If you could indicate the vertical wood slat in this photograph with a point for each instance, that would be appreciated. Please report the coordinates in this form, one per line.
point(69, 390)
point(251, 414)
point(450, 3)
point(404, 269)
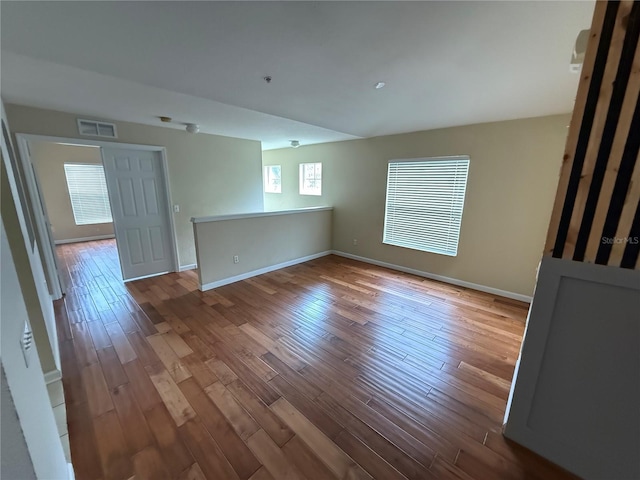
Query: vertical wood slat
point(626, 217)
point(599, 143)
point(612, 92)
point(608, 211)
point(578, 130)
point(598, 194)
point(632, 250)
point(626, 195)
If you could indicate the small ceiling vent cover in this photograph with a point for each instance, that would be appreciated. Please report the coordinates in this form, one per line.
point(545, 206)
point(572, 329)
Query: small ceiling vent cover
point(93, 128)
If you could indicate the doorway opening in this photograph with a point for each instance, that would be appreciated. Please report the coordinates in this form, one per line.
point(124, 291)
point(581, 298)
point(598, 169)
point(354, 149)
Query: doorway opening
point(74, 199)
point(91, 191)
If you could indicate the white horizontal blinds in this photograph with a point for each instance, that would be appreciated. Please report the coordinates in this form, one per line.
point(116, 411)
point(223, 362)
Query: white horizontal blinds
point(88, 192)
point(424, 205)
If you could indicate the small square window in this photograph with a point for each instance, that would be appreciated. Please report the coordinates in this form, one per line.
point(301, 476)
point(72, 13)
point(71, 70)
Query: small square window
point(272, 177)
point(311, 179)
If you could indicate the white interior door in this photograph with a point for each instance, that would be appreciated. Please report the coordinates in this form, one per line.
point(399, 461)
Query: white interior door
point(140, 209)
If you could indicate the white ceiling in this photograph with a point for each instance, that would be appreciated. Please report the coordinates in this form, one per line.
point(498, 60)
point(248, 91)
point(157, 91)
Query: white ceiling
point(444, 63)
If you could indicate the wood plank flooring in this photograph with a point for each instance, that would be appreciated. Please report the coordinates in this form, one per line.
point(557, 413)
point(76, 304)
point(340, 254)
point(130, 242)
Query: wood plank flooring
point(331, 369)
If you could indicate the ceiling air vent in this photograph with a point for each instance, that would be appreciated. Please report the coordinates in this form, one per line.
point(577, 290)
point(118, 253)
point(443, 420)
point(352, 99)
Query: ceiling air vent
point(93, 128)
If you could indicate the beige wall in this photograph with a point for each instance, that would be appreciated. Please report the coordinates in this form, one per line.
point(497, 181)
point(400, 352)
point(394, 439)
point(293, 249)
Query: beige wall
point(49, 159)
point(512, 181)
point(26, 383)
point(208, 174)
point(260, 242)
point(28, 282)
point(20, 305)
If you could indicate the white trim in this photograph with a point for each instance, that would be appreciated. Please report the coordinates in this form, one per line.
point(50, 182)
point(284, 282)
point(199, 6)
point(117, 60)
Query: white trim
point(440, 278)
point(88, 142)
point(145, 276)
point(260, 271)
point(218, 218)
point(420, 273)
point(84, 239)
point(52, 376)
point(42, 227)
point(172, 223)
point(191, 266)
point(44, 291)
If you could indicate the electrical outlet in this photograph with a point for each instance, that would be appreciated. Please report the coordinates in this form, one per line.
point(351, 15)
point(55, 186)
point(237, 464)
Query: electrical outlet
point(236, 259)
point(176, 208)
point(355, 241)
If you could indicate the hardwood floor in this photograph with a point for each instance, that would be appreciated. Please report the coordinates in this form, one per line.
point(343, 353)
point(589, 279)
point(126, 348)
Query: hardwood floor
point(327, 369)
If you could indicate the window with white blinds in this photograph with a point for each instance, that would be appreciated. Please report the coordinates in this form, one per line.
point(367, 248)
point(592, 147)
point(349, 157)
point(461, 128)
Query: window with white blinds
point(88, 192)
point(425, 198)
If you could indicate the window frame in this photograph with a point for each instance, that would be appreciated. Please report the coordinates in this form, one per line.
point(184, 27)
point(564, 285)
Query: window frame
point(397, 229)
point(266, 177)
point(75, 195)
point(317, 177)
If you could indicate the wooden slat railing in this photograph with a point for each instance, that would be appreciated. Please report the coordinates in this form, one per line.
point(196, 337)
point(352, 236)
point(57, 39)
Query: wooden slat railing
point(596, 218)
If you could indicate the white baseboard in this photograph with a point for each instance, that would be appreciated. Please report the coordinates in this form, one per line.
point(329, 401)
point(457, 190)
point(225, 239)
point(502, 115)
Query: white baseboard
point(260, 271)
point(420, 273)
point(142, 277)
point(440, 278)
point(191, 266)
point(83, 239)
point(52, 376)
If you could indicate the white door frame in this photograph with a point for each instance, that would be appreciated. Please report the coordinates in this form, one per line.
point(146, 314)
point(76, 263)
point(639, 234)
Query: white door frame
point(32, 248)
point(23, 140)
point(43, 229)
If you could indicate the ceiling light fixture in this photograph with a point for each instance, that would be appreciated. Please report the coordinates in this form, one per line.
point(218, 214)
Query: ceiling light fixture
point(379, 85)
point(190, 127)
point(295, 143)
point(193, 127)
